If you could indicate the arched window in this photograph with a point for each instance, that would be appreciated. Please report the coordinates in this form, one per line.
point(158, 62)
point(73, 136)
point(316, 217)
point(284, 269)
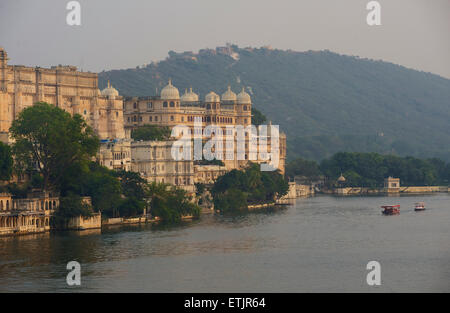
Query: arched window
point(245, 108)
point(165, 104)
point(171, 118)
point(135, 105)
point(208, 106)
point(172, 104)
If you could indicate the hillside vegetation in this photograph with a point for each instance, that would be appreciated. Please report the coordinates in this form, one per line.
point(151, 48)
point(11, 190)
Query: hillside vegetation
point(325, 102)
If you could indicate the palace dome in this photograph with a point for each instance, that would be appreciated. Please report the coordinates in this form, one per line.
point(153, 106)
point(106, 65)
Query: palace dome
point(110, 91)
point(341, 179)
point(212, 97)
point(229, 95)
point(170, 92)
point(243, 97)
point(189, 96)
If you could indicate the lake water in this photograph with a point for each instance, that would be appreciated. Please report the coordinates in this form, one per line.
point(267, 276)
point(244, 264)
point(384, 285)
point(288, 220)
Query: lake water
point(320, 244)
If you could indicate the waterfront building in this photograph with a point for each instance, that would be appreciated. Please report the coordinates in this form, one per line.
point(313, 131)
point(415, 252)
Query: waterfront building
point(207, 174)
point(29, 215)
point(66, 88)
point(69, 89)
point(392, 185)
point(154, 161)
point(170, 109)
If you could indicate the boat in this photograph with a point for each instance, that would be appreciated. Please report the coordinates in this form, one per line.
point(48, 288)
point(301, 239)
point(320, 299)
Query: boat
point(419, 206)
point(391, 209)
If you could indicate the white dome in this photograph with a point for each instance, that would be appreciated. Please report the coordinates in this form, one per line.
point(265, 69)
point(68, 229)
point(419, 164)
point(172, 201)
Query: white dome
point(110, 91)
point(229, 95)
point(189, 96)
point(170, 92)
point(193, 94)
point(212, 97)
point(243, 97)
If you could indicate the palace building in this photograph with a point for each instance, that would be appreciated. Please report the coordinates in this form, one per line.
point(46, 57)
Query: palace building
point(63, 86)
point(170, 109)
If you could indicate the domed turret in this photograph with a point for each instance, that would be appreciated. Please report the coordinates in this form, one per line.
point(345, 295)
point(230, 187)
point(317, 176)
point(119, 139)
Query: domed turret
point(193, 94)
point(170, 92)
point(110, 91)
point(341, 179)
point(189, 96)
point(243, 97)
point(212, 97)
point(229, 95)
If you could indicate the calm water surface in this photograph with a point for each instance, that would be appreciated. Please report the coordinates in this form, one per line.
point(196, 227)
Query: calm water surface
point(319, 244)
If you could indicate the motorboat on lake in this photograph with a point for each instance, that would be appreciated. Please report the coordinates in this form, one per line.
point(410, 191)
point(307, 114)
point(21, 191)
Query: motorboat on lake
point(419, 206)
point(391, 209)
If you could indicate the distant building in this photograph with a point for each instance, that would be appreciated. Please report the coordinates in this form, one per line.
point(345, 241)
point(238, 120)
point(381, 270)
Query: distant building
point(392, 185)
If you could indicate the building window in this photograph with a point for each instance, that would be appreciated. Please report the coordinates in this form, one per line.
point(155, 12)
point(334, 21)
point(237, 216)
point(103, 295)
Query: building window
point(182, 118)
point(165, 104)
point(150, 118)
point(149, 105)
point(135, 105)
point(172, 104)
point(245, 108)
point(156, 118)
point(171, 118)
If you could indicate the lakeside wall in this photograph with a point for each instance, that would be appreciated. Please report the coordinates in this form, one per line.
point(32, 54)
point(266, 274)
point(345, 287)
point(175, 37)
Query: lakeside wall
point(405, 190)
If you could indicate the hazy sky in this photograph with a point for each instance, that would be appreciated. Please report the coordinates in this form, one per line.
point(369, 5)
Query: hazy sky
point(126, 33)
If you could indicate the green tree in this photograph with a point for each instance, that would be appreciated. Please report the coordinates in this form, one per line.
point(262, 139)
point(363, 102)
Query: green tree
point(170, 203)
point(6, 162)
point(304, 168)
point(49, 140)
point(151, 132)
point(257, 117)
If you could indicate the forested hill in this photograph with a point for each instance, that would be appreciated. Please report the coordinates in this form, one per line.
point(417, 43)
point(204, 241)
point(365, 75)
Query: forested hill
point(324, 101)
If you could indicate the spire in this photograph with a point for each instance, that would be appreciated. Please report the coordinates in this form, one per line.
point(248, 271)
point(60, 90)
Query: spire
point(109, 85)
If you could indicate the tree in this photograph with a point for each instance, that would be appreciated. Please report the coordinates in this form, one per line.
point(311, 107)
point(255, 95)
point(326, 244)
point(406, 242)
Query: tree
point(238, 188)
point(49, 140)
point(151, 132)
point(6, 162)
point(170, 203)
point(257, 117)
point(302, 167)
